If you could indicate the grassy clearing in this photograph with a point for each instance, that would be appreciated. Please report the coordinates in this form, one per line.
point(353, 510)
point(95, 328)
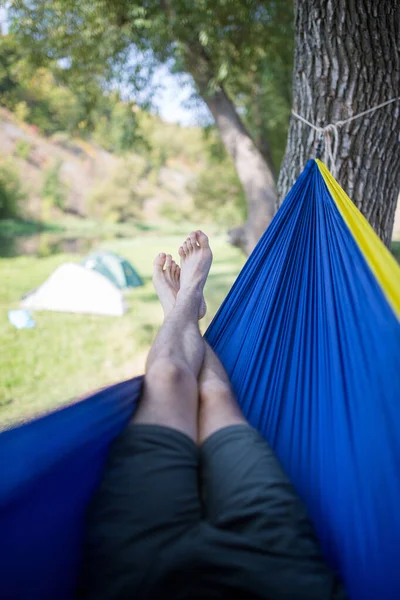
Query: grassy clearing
point(68, 355)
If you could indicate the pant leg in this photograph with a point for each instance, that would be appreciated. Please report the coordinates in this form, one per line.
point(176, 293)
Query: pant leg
point(147, 501)
point(248, 496)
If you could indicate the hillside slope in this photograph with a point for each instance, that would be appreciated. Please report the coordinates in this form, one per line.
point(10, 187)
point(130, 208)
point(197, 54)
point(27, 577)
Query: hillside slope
point(92, 176)
point(86, 170)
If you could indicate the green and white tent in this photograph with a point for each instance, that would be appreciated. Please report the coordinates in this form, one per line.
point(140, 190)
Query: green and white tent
point(116, 268)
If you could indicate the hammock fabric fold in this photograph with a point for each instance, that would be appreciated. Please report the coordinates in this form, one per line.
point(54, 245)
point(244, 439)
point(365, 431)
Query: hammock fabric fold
point(310, 337)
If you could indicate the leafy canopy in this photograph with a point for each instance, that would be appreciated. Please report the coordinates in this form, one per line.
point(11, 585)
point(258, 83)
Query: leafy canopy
point(244, 45)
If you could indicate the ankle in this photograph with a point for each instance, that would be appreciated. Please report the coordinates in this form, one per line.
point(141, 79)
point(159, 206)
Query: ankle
point(190, 295)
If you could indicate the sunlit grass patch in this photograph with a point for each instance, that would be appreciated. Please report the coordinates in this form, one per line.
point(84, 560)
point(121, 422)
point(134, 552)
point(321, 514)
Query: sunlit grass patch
point(68, 355)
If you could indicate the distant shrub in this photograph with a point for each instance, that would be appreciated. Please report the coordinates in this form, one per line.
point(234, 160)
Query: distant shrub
point(168, 211)
point(101, 133)
point(168, 141)
point(117, 130)
point(23, 149)
point(11, 192)
point(118, 198)
point(21, 111)
point(54, 190)
point(218, 195)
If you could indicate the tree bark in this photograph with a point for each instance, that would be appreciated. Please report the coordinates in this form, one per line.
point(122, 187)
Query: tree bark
point(255, 173)
point(347, 60)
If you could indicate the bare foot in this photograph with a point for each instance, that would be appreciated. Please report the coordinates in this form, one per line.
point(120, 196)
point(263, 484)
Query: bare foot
point(166, 280)
point(166, 276)
point(196, 259)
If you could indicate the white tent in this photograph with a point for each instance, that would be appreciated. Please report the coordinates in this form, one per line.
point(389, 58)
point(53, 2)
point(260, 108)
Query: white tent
point(72, 288)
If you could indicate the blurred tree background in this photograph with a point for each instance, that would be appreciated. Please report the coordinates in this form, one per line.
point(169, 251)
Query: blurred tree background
point(73, 67)
point(55, 102)
point(69, 66)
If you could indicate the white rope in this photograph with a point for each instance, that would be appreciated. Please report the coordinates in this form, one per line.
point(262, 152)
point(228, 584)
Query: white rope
point(330, 132)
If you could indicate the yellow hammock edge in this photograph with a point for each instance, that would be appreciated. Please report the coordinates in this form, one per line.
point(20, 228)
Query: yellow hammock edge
point(381, 262)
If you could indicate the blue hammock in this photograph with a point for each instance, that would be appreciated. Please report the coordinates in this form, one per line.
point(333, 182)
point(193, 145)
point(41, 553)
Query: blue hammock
point(310, 338)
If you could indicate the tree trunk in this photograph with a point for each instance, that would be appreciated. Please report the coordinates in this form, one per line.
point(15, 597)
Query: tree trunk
point(255, 173)
point(347, 60)
point(254, 168)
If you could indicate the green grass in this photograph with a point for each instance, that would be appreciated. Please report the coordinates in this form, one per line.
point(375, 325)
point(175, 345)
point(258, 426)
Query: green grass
point(12, 227)
point(70, 225)
point(395, 248)
point(69, 355)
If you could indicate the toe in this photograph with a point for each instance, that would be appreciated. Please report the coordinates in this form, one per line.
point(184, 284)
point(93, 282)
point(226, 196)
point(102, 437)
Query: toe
point(202, 239)
point(181, 252)
point(159, 262)
point(189, 244)
point(193, 239)
point(168, 261)
point(185, 248)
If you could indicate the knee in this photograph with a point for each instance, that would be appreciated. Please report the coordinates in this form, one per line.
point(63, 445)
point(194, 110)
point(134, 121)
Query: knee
point(169, 374)
point(216, 391)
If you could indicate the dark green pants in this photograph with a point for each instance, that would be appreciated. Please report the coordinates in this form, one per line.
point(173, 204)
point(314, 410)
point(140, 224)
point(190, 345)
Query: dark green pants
point(174, 521)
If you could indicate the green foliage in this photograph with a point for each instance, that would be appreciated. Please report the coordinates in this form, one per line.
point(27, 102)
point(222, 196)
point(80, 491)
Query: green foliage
point(51, 107)
point(37, 97)
point(217, 191)
point(54, 190)
point(243, 45)
point(20, 109)
point(45, 97)
point(395, 249)
point(168, 141)
point(11, 191)
point(9, 58)
point(117, 128)
point(218, 195)
point(123, 127)
point(118, 198)
point(168, 211)
point(23, 149)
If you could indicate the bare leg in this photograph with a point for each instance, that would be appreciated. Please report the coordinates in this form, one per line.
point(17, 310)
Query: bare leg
point(218, 406)
point(170, 396)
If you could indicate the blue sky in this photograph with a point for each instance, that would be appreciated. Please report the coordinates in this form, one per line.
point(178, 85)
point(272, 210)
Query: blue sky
point(3, 20)
point(175, 99)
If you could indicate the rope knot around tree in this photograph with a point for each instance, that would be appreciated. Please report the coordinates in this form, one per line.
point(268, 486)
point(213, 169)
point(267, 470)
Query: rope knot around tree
point(328, 143)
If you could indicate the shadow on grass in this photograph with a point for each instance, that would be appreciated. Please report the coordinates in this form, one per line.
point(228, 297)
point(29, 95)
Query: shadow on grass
point(149, 297)
point(228, 277)
point(145, 227)
point(11, 227)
